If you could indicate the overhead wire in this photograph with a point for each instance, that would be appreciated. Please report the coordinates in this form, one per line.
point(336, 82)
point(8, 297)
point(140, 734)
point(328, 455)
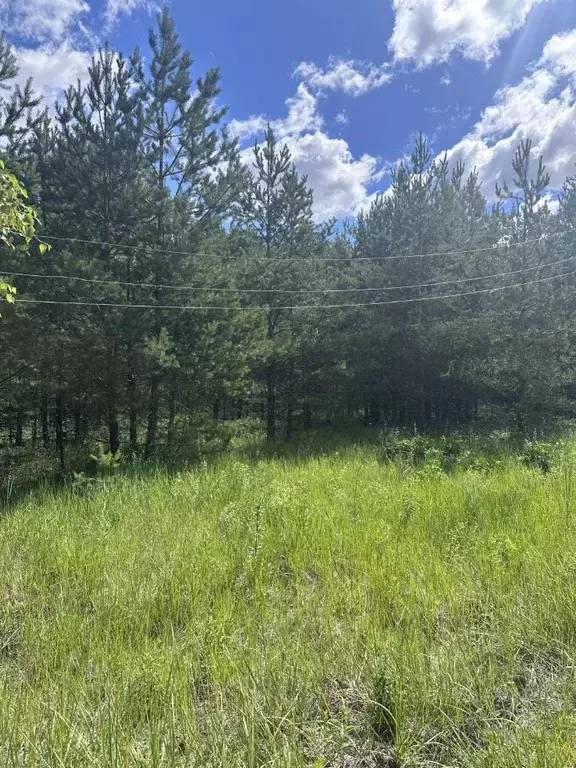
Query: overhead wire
point(217, 307)
point(212, 289)
point(342, 259)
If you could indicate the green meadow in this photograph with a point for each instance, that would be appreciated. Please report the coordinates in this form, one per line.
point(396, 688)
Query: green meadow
point(354, 608)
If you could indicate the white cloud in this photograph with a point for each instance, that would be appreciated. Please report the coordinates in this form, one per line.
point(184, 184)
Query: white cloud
point(446, 80)
point(54, 28)
point(541, 107)
point(52, 69)
point(551, 201)
point(347, 75)
point(560, 53)
point(302, 116)
point(340, 181)
point(342, 118)
point(41, 20)
point(114, 8)
point(428, 31)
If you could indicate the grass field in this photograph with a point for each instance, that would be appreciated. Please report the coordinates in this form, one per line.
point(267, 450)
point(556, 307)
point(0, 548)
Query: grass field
point(315, 610)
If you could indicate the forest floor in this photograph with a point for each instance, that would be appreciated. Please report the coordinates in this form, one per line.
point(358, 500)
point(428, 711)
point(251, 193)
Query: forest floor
point(353, 608)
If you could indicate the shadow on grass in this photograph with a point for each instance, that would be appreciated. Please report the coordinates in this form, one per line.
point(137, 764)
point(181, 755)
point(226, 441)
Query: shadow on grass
point(34, 473)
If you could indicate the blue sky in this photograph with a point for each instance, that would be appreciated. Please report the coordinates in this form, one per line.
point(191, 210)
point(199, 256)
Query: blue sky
point(347, 84)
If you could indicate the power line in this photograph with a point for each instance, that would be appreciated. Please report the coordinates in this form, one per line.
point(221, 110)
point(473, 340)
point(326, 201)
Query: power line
point(122, 283)
point(201, 254)
point(212, 307)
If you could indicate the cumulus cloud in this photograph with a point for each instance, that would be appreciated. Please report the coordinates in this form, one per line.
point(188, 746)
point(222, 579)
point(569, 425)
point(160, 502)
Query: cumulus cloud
point(41, 20)
point(428, 31)
point(52, 68)
point(339, 180)
point(560, 52)
point(58, 45)
point(302, 116)
point(347, 75)
point(541, 107)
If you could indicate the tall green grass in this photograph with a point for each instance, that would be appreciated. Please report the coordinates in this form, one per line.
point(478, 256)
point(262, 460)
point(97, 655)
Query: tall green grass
point(319, 610)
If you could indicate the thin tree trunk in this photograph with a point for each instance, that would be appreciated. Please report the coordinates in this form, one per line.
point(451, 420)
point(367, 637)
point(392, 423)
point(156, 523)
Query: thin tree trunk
point(20, 417)
point(270, 391)
point(132, 411)
point(113, 428)
point(152, 428)
point(307, 414)
point(44, 422)
point(290, 404)
point(35, 426)
point(112, 405)
point(154, 402)
point(172, 409)
point(112, 412)
point(60, 430)
point(270, 404)
point(113, 424)
point(78, 431)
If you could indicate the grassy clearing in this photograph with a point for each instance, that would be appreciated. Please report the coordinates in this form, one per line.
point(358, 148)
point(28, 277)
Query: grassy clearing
point(330, 610)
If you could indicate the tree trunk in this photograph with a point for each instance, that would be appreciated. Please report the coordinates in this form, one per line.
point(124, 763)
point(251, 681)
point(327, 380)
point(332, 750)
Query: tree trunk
point(112, 397)
point(270, 404)
point(113, 424)
point(290, 404)
point(78, 432)
point(307, 414)
point(132, 411)
point(20, 417)
point(172, 410)
point(60, 430)
point(113, 429)
point(44, 422)
point(35, 426)
point(154, 406)
point(112, 412)
point(270, 390)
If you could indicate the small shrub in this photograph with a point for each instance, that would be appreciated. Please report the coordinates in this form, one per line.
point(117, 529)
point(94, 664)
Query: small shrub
point(539, 455)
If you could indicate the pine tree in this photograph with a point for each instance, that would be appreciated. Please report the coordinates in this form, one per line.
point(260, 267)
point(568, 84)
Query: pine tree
point(186, 149)
point(276, 206)
point(97, 136)
point(528, 376)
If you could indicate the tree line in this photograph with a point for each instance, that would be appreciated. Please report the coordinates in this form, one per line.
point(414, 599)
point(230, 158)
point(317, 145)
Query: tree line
point(181, 281)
